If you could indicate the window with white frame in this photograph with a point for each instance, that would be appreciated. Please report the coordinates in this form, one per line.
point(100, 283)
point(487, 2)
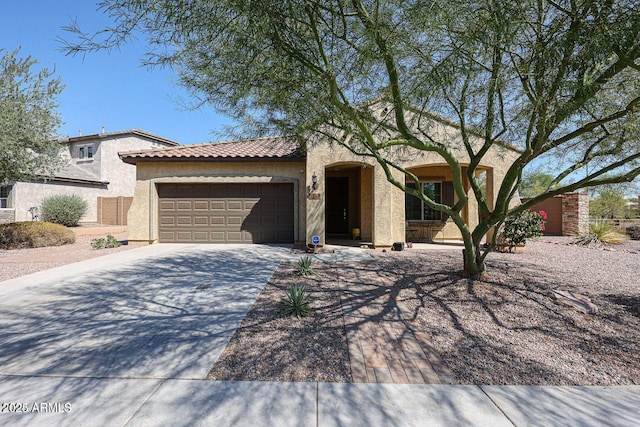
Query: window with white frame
point(4, 196)
point(85, 152)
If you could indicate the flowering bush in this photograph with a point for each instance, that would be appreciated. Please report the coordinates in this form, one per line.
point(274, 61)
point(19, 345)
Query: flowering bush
point(543, 214)
point(518, 228)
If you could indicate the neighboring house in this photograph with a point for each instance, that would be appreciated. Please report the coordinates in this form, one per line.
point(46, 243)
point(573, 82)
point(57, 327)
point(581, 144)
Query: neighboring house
point(94, 170)
point(267, 190)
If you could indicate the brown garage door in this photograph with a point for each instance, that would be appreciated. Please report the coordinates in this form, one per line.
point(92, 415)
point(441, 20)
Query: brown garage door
point(226, 213)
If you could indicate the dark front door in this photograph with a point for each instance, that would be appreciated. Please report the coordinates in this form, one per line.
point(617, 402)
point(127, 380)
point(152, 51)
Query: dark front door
point(337, 205)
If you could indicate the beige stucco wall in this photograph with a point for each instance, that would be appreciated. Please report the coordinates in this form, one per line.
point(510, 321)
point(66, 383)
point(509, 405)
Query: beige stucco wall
point(28, 194)
point(388, 204)
point(143, 214)
point(105, 166)
point(319, 157)
point(381, 205)
point(122, 176)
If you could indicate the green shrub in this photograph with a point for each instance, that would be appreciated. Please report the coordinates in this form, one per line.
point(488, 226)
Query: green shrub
point(64, 209)
point(600, 232)
point(105, 242)
point(304, 266)
point(29, 234)
point(522, 226)
point(296, 302)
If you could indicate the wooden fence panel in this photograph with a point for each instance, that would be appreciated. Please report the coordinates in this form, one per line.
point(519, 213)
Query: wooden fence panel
point(113, 210)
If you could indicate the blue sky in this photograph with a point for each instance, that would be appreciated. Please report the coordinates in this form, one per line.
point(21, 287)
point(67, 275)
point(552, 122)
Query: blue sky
point(105, 89)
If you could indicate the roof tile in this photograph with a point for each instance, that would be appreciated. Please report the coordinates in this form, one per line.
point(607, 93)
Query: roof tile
point(259, 148)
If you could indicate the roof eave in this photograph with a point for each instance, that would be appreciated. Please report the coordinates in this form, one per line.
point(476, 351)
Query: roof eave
point(134, 160)
point(138, 132)
point(76, 181)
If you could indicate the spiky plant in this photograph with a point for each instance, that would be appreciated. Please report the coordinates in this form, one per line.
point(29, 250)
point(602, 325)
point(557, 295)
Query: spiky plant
point(296, 302)
point(600, 232)
point(304, 266)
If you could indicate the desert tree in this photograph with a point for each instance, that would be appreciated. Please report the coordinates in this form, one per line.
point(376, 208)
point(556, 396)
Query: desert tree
point(535, 182)
point(609, 201)
point(29, 119)
point(557, 79)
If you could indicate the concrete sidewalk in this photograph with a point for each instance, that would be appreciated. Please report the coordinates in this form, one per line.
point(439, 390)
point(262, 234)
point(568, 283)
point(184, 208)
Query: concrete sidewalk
point(54, 401)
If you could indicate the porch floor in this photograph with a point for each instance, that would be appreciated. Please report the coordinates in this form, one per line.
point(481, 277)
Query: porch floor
point(350, 243)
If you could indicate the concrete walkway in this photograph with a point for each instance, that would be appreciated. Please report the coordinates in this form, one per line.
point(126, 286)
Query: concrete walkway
point(384, 345)
point(126, 340)
point(57, 401)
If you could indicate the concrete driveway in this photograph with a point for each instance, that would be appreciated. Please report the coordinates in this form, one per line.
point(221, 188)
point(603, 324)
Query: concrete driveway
point(162, 311)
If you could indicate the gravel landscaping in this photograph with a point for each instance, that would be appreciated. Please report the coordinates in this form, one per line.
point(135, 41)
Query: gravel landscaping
point(502, 330)
point(20, 262)
point(507, 330)
point(271, 347)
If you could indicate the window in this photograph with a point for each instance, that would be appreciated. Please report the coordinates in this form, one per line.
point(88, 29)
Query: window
point(85, 152)
point(415, 209)
point(412, 205)
point(4, 196)
point(432, 190)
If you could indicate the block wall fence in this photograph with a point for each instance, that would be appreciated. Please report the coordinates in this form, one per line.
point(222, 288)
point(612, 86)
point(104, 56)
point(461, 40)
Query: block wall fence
point(7, 216)
point(568, 214)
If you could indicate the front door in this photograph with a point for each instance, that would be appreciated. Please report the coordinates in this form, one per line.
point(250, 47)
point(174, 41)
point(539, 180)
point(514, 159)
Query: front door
point(337, 205)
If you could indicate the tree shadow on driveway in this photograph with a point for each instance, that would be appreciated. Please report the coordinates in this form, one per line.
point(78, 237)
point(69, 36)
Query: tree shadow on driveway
point(161, 317)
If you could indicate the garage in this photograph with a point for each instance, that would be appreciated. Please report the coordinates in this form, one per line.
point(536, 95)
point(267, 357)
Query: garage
point(226, 213)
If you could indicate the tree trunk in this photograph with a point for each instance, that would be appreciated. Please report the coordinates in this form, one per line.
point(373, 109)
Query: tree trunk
point(473, 264)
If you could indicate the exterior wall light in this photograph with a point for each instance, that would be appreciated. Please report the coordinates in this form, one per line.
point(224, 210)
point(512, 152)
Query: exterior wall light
point(314, 181)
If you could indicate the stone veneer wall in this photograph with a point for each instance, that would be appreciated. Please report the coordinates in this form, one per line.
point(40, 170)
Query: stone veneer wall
point(7, 216)
point(575, 213)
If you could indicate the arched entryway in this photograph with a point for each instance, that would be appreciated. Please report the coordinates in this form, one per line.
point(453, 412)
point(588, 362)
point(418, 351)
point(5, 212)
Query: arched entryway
point(348, 203)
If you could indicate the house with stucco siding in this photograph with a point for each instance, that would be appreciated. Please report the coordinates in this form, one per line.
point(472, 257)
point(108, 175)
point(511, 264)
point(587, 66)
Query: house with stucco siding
point(93, 170)
point(269, 190)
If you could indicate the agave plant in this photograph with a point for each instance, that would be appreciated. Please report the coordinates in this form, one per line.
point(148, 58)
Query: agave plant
point(600, 232)
point(296, 302)
point(304, 266)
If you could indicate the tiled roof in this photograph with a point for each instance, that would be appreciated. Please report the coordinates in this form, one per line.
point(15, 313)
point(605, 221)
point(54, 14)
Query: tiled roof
point(273, 148)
